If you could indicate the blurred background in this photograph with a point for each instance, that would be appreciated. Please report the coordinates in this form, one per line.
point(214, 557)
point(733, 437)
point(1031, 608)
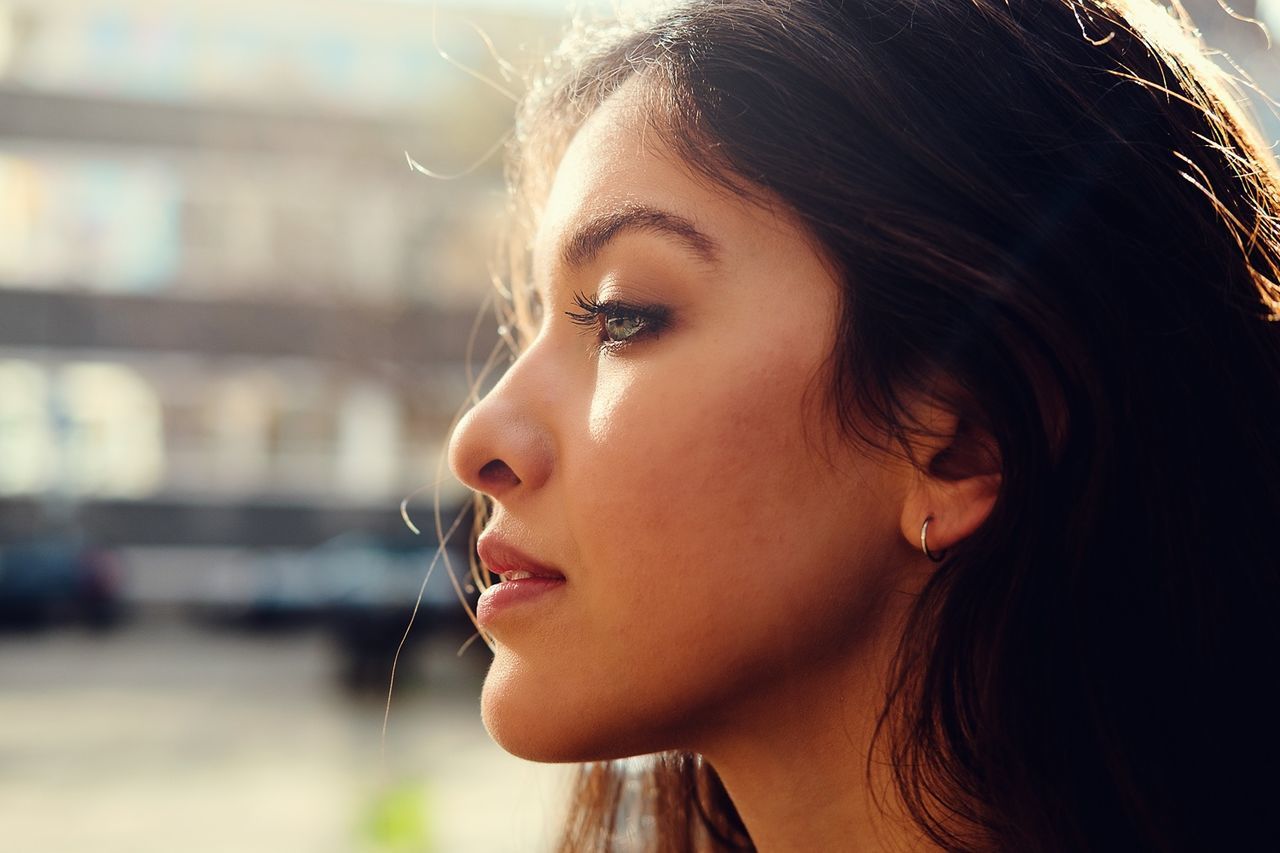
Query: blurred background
point(233, 333)
point(233, 325)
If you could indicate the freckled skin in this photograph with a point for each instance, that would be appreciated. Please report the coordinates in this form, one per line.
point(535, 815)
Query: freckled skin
point(722, 542)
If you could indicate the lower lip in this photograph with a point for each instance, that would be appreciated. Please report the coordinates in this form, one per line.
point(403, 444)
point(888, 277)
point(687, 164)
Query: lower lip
point(503, 596)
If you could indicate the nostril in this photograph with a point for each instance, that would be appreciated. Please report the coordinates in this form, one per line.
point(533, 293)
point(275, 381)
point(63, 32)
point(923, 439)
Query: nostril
point(497, 474)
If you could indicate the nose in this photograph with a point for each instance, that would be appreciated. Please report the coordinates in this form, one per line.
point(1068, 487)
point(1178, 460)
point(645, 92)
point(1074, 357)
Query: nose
point(503, 446)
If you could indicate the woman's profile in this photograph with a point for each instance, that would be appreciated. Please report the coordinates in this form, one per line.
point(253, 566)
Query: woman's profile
point(891, 450)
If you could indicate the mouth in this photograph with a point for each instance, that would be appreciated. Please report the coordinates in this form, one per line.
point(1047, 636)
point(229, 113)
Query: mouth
point(526, 585)
point(518, 575)
point(510, 564)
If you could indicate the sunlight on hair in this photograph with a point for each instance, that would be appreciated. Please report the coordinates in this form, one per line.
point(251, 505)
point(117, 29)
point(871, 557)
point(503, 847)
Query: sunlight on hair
point(505, 68)
point(1261, 25)
point(465, 173)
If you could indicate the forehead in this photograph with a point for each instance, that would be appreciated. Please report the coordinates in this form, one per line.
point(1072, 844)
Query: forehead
point(618, 161)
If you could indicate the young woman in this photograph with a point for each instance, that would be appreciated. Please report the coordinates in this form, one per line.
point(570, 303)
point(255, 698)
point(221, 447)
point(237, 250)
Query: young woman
point(892, 449)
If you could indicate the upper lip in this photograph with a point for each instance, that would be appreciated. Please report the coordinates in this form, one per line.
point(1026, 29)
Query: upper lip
point(502, 557)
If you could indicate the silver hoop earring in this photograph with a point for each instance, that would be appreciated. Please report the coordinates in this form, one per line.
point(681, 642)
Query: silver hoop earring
point(924, 544)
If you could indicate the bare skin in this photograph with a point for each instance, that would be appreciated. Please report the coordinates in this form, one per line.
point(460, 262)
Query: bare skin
point(736, 570)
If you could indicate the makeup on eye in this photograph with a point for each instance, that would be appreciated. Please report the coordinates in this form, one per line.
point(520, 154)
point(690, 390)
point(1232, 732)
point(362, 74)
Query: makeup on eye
point(618, 322)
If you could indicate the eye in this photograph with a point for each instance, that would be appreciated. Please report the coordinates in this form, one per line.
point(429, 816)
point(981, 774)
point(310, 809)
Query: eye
point(616, 322)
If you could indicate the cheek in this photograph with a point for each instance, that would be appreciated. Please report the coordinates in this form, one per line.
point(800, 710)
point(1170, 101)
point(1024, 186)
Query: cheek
point(701, 509)
point(718, 444)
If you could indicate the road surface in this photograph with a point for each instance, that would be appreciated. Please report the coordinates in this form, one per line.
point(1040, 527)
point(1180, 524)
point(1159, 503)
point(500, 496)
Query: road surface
point(165, 736)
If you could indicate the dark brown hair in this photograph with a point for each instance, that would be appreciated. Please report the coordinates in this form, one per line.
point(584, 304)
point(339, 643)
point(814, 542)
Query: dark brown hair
point(1053, 217)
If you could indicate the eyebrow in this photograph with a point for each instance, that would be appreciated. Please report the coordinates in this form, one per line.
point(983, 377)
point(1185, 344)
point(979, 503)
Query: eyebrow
point(590, 238)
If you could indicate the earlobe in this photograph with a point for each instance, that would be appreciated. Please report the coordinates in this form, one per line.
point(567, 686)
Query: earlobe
point(955, 490)
point(940, 513)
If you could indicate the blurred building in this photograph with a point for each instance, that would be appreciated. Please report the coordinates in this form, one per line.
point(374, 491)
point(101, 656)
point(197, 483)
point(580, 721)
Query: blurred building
point(230, 313)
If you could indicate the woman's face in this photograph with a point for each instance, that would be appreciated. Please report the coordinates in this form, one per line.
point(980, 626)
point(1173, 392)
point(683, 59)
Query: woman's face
point(676, 461)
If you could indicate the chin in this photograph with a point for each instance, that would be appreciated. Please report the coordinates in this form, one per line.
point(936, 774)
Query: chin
point(538, 722)
point(532, 729)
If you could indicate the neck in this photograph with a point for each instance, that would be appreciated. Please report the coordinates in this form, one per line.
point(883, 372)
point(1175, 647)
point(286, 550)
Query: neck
point(795, 761)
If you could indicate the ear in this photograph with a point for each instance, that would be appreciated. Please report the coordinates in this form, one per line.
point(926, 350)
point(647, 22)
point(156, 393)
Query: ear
point(959, 483)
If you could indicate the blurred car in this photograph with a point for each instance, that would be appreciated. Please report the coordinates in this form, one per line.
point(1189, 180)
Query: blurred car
point(375, 587)
point(59, 580)
point(360, 588)
point(351, 571)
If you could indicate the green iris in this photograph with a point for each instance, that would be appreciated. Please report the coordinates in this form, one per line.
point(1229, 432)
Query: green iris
point(620, 328)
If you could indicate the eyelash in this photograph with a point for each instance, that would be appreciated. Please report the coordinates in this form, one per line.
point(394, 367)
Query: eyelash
point(595, 315)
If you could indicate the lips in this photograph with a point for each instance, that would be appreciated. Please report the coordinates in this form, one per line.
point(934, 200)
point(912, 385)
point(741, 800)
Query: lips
point(510, 563)
point(527, 587)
